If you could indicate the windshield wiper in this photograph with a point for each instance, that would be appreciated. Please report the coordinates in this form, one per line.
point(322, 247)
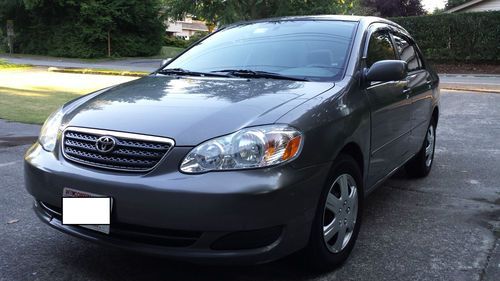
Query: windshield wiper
point(246, 73)
point(185, 72)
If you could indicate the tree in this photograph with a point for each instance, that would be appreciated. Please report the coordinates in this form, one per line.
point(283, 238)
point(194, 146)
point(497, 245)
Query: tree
point(358, 8)
point(216, 12)
point(85, 28)
point(438, 11)
point(453, 3)
point(395, 8)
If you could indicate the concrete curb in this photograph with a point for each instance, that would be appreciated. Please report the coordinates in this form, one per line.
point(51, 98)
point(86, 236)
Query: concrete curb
point(97, 71)
point(488, 88)
point(468, 75)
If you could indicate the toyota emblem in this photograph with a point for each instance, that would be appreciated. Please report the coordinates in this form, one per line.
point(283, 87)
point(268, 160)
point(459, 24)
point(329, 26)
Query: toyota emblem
point(105, 144)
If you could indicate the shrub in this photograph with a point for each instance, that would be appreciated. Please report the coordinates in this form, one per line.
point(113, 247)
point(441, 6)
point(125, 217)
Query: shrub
point(173, 41)
point(170, 52)
point(80, 28)
point(3, 42)
point(197, 36)
point(463, 37)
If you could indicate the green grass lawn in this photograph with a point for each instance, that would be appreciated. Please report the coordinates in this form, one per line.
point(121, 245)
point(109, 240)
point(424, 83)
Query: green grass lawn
point(6, 65)
point(30, 95)
point(31, 106)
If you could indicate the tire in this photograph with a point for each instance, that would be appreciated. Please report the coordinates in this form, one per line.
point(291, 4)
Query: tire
point(325, 250)
point(421, 165)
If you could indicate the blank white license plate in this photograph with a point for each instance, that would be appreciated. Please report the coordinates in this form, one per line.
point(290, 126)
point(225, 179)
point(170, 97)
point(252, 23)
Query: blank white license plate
point(88, 210)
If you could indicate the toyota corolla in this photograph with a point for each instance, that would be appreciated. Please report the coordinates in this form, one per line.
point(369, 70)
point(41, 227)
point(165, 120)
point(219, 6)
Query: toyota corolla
point(258, 141)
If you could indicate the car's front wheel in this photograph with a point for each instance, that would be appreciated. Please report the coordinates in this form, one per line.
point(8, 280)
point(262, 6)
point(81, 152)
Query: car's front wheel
point(338, 216)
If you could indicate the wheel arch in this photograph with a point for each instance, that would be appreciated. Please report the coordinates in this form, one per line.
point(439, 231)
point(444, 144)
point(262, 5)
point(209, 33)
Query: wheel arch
point(435, 115)
point(354, 150)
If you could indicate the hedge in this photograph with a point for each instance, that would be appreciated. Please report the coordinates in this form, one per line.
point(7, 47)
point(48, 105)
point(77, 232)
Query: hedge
point(3, 42)
point(463, 37)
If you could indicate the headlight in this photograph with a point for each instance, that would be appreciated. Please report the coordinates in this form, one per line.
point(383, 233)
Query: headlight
point(50, 130)
point(254, 147)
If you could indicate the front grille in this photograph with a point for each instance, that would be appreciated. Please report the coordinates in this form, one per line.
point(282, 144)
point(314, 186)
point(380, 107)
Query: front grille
point(131, 152)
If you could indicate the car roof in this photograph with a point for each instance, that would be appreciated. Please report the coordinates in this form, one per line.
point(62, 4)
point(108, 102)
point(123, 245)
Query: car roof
point(365, 20)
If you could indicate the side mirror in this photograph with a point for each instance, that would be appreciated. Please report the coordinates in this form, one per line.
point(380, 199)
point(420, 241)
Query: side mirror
point(387, 70)
point(163, 62)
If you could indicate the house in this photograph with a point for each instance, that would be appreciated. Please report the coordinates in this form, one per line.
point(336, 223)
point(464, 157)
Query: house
point(185, 28)
point(476, 6)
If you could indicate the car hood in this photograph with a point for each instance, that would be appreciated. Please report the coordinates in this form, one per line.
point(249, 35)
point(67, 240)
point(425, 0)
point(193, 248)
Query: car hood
point(191, 110)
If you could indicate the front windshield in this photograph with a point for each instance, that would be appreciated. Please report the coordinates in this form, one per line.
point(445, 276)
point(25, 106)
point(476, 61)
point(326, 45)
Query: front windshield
point(312, 50)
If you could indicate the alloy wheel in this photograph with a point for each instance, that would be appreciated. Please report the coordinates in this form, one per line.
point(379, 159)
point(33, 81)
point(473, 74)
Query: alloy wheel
point(340, 214)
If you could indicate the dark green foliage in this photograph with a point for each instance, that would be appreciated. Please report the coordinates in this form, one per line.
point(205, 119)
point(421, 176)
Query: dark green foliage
point(464, 37)
point(178, 42)
point(3, 42)
point(224, 12)
point(453, 3)
point(196, 36)
point(395, 8)
point(73, 28)
point(174, 41)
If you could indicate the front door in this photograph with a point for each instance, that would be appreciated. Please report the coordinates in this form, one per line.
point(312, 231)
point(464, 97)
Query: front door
point(390, 113)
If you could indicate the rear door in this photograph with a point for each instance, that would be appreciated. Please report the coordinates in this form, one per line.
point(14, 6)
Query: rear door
point(390, 110)
point(420, 89)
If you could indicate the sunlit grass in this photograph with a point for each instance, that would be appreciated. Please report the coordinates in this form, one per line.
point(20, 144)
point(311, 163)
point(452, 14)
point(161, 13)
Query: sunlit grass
point(30, 95)
point(6, 65)
point(31, 106)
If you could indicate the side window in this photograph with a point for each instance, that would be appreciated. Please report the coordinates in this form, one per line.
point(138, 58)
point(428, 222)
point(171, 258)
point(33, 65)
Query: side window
point(380, 48)
point(407, 52)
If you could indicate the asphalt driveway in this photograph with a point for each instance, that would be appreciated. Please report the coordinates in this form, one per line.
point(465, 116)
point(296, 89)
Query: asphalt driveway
point(444, 227)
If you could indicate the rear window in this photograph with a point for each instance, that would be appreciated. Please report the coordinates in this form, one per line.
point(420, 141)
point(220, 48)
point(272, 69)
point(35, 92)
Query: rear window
point(407, 53)
point(314, 50)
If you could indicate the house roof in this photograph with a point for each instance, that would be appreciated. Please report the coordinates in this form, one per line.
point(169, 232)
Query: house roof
point(199, 26)
point(464, 5)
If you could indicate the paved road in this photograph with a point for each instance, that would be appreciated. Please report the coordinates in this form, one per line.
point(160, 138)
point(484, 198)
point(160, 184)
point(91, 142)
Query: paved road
point(444, 227)
point(469, 82)
point(448, 81)
point(147, 65)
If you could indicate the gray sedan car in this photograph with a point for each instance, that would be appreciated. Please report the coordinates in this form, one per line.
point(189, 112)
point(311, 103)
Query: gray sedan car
point(256, 142)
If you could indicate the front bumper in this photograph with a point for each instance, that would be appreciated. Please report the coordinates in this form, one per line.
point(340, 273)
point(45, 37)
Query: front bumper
point(187, 217)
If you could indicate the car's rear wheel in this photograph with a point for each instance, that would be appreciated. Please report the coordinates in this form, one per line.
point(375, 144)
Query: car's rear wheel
point(420, 166)
point(338, 216)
